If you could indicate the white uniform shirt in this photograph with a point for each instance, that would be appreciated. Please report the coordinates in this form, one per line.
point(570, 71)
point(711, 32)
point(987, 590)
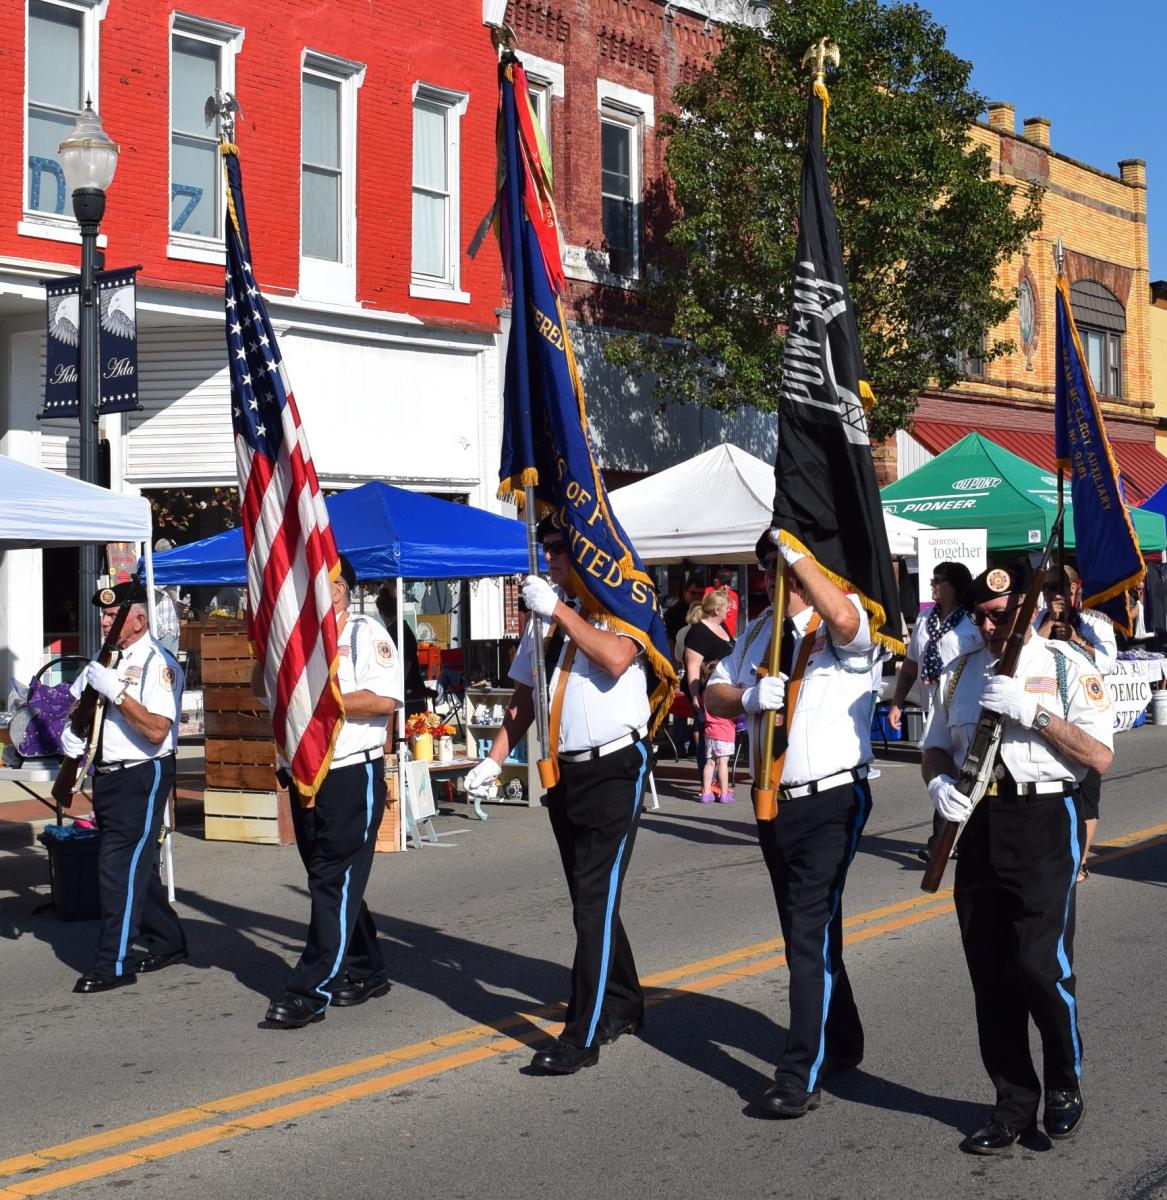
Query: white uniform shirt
point(1027, 755)
point(369, 662)
point(151, 675)
point(598, 707)
point(1095, 628)
point(831, 728)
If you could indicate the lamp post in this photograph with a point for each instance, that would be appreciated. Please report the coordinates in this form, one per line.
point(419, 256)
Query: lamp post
point(89, 158)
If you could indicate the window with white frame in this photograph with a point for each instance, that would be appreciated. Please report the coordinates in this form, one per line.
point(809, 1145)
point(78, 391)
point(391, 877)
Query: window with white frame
point(437, 117)
point(202, 62)
point(328, 138)
point(61, 72)
point(544, 81)
point(620, 188)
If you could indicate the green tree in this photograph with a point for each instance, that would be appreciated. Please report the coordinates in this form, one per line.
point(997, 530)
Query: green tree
point(923, 221)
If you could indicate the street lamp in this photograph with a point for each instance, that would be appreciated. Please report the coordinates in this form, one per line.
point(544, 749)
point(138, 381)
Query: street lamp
point(89, 158)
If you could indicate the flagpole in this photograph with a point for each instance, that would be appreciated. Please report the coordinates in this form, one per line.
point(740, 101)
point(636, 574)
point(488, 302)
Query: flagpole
point(1059, 262)
point(547, 766)
point(765, 792)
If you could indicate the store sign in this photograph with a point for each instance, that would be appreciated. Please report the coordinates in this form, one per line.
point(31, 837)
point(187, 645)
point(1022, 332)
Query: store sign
point(1130, 692)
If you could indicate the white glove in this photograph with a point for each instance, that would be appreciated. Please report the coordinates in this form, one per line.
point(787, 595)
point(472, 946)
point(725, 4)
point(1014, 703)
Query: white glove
point(71, 744)
point(479, 779)
point(788, 552)
point(103, 680)
point(947, 799)
point(1008, 697)
point(539, 596)
point(767, 695)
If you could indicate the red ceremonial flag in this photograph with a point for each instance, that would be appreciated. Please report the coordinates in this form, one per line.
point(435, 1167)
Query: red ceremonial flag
point(291, 554)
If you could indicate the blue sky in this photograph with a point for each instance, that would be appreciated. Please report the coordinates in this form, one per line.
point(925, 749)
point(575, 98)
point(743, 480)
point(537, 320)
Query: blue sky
point(1094, 69)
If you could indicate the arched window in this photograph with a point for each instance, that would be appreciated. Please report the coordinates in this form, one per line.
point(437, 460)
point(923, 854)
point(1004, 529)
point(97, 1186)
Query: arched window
point(1101, 321)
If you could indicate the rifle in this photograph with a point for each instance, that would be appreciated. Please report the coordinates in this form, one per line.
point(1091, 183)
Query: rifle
point(976, 772)
point(84, 712)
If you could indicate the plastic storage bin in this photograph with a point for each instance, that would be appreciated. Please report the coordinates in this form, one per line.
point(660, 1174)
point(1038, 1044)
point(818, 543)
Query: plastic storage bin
point(73, 871)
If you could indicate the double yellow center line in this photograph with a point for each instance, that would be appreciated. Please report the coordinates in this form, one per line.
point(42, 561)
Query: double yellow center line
point(40, 1172)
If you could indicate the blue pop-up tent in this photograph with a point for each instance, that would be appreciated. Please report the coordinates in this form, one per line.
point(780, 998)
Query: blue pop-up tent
point(387, 532)
point(1157, 502)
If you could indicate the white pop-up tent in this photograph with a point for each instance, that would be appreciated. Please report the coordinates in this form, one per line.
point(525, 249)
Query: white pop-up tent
point(41, 508)
point(712, 508)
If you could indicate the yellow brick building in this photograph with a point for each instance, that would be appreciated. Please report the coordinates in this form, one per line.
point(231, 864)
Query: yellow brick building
point(1158, 332)
point(1101, 219)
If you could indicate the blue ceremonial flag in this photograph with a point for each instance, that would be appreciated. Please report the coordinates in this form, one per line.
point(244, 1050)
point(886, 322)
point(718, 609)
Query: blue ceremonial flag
point(1109, 559)
point(546, 443)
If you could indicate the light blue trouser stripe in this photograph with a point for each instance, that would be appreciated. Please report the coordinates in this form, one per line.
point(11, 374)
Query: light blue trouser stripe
point(828, 966)
point(124, 944)
point(1063, 959)
point(613, 885)
point(326, 992)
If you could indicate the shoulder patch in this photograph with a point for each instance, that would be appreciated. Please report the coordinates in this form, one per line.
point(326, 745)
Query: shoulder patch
point(168, 677)
point(385, 653)
point(1095, 691)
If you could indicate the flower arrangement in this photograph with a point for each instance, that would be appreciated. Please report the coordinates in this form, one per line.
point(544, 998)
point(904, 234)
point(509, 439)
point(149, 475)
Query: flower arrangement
point(428, 722)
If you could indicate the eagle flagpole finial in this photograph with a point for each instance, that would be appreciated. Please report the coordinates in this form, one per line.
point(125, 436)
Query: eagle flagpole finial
point(818, 55)
point(222, 105)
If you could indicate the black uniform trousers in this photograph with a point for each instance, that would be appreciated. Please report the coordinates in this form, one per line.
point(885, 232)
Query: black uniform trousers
point(808, 849)
point(1015, 880)
point(337, 838)
point(595, 811)
point(129, 805)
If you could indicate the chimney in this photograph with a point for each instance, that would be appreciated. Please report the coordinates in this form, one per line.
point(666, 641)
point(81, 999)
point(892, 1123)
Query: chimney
point(1002, 117)
point(1037, 131)
point(1133, 171)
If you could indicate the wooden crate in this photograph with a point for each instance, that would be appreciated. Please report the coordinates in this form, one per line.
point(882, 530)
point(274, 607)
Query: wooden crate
point(389, 831)
point(251, 816)
point(240, 753)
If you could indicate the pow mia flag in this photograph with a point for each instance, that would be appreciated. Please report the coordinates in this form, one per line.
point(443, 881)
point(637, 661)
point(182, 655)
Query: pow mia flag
point(118, 339)
point(825, 495)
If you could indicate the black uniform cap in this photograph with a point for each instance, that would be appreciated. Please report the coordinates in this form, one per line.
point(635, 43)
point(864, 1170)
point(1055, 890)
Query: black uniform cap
point(119, 594)
point(993, 583)
point(347, 573)
point(546, 527)
point(766, 545)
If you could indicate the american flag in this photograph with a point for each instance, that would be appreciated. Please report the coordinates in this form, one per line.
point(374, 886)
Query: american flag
point(291, 554)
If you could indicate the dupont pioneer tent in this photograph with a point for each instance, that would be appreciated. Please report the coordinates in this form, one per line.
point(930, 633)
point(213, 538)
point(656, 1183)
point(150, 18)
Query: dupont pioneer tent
point(711, 509)
point(977, 484)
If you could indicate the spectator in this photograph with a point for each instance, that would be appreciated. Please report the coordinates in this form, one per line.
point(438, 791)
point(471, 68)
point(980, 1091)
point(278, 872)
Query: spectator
point(416, 696)
point(941, 634)
point(706, 644)
point(723, 578)
point(676, 615)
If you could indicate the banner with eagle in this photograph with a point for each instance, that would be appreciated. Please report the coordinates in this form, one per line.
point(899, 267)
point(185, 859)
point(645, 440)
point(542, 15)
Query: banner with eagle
point(118, 350)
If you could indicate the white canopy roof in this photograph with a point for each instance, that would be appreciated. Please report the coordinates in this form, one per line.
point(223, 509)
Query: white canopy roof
point(712, 508)
point(42, 508)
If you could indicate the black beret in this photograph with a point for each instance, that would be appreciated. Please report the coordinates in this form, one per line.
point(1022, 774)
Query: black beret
point(347, 573)
point(113, 597)
point(991, 584)
point(547, 526)
point(766, 545)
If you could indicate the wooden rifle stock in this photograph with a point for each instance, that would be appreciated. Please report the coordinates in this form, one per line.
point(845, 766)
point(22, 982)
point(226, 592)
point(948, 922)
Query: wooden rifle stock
point(976, 772)
point(83, 713)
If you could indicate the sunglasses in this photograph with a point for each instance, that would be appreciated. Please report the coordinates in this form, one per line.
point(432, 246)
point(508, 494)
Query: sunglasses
point(550, 548)
point(996, 619)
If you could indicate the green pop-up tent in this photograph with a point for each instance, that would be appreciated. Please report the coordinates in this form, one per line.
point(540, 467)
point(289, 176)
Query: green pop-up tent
point(977, 484)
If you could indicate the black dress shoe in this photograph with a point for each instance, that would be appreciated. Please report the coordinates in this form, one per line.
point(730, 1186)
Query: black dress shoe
point(610, 1028)
point(155, 962)
point(564, 1058)
point(293, 1012)
point(1064, 1109)
point(103, 983)
point(356, 991)
point(788, 1100)
point(996, 1137)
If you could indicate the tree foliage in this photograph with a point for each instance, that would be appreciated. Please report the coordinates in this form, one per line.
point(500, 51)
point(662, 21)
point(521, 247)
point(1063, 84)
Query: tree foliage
point(923, 222)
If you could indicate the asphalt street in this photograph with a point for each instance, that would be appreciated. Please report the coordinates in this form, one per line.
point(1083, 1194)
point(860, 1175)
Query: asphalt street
point(173, 1088)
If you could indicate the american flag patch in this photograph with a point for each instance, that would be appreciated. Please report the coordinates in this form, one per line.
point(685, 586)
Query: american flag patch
point(1044, 685)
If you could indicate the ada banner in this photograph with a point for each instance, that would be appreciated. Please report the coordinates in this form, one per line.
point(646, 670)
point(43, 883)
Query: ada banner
point(118, 334)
